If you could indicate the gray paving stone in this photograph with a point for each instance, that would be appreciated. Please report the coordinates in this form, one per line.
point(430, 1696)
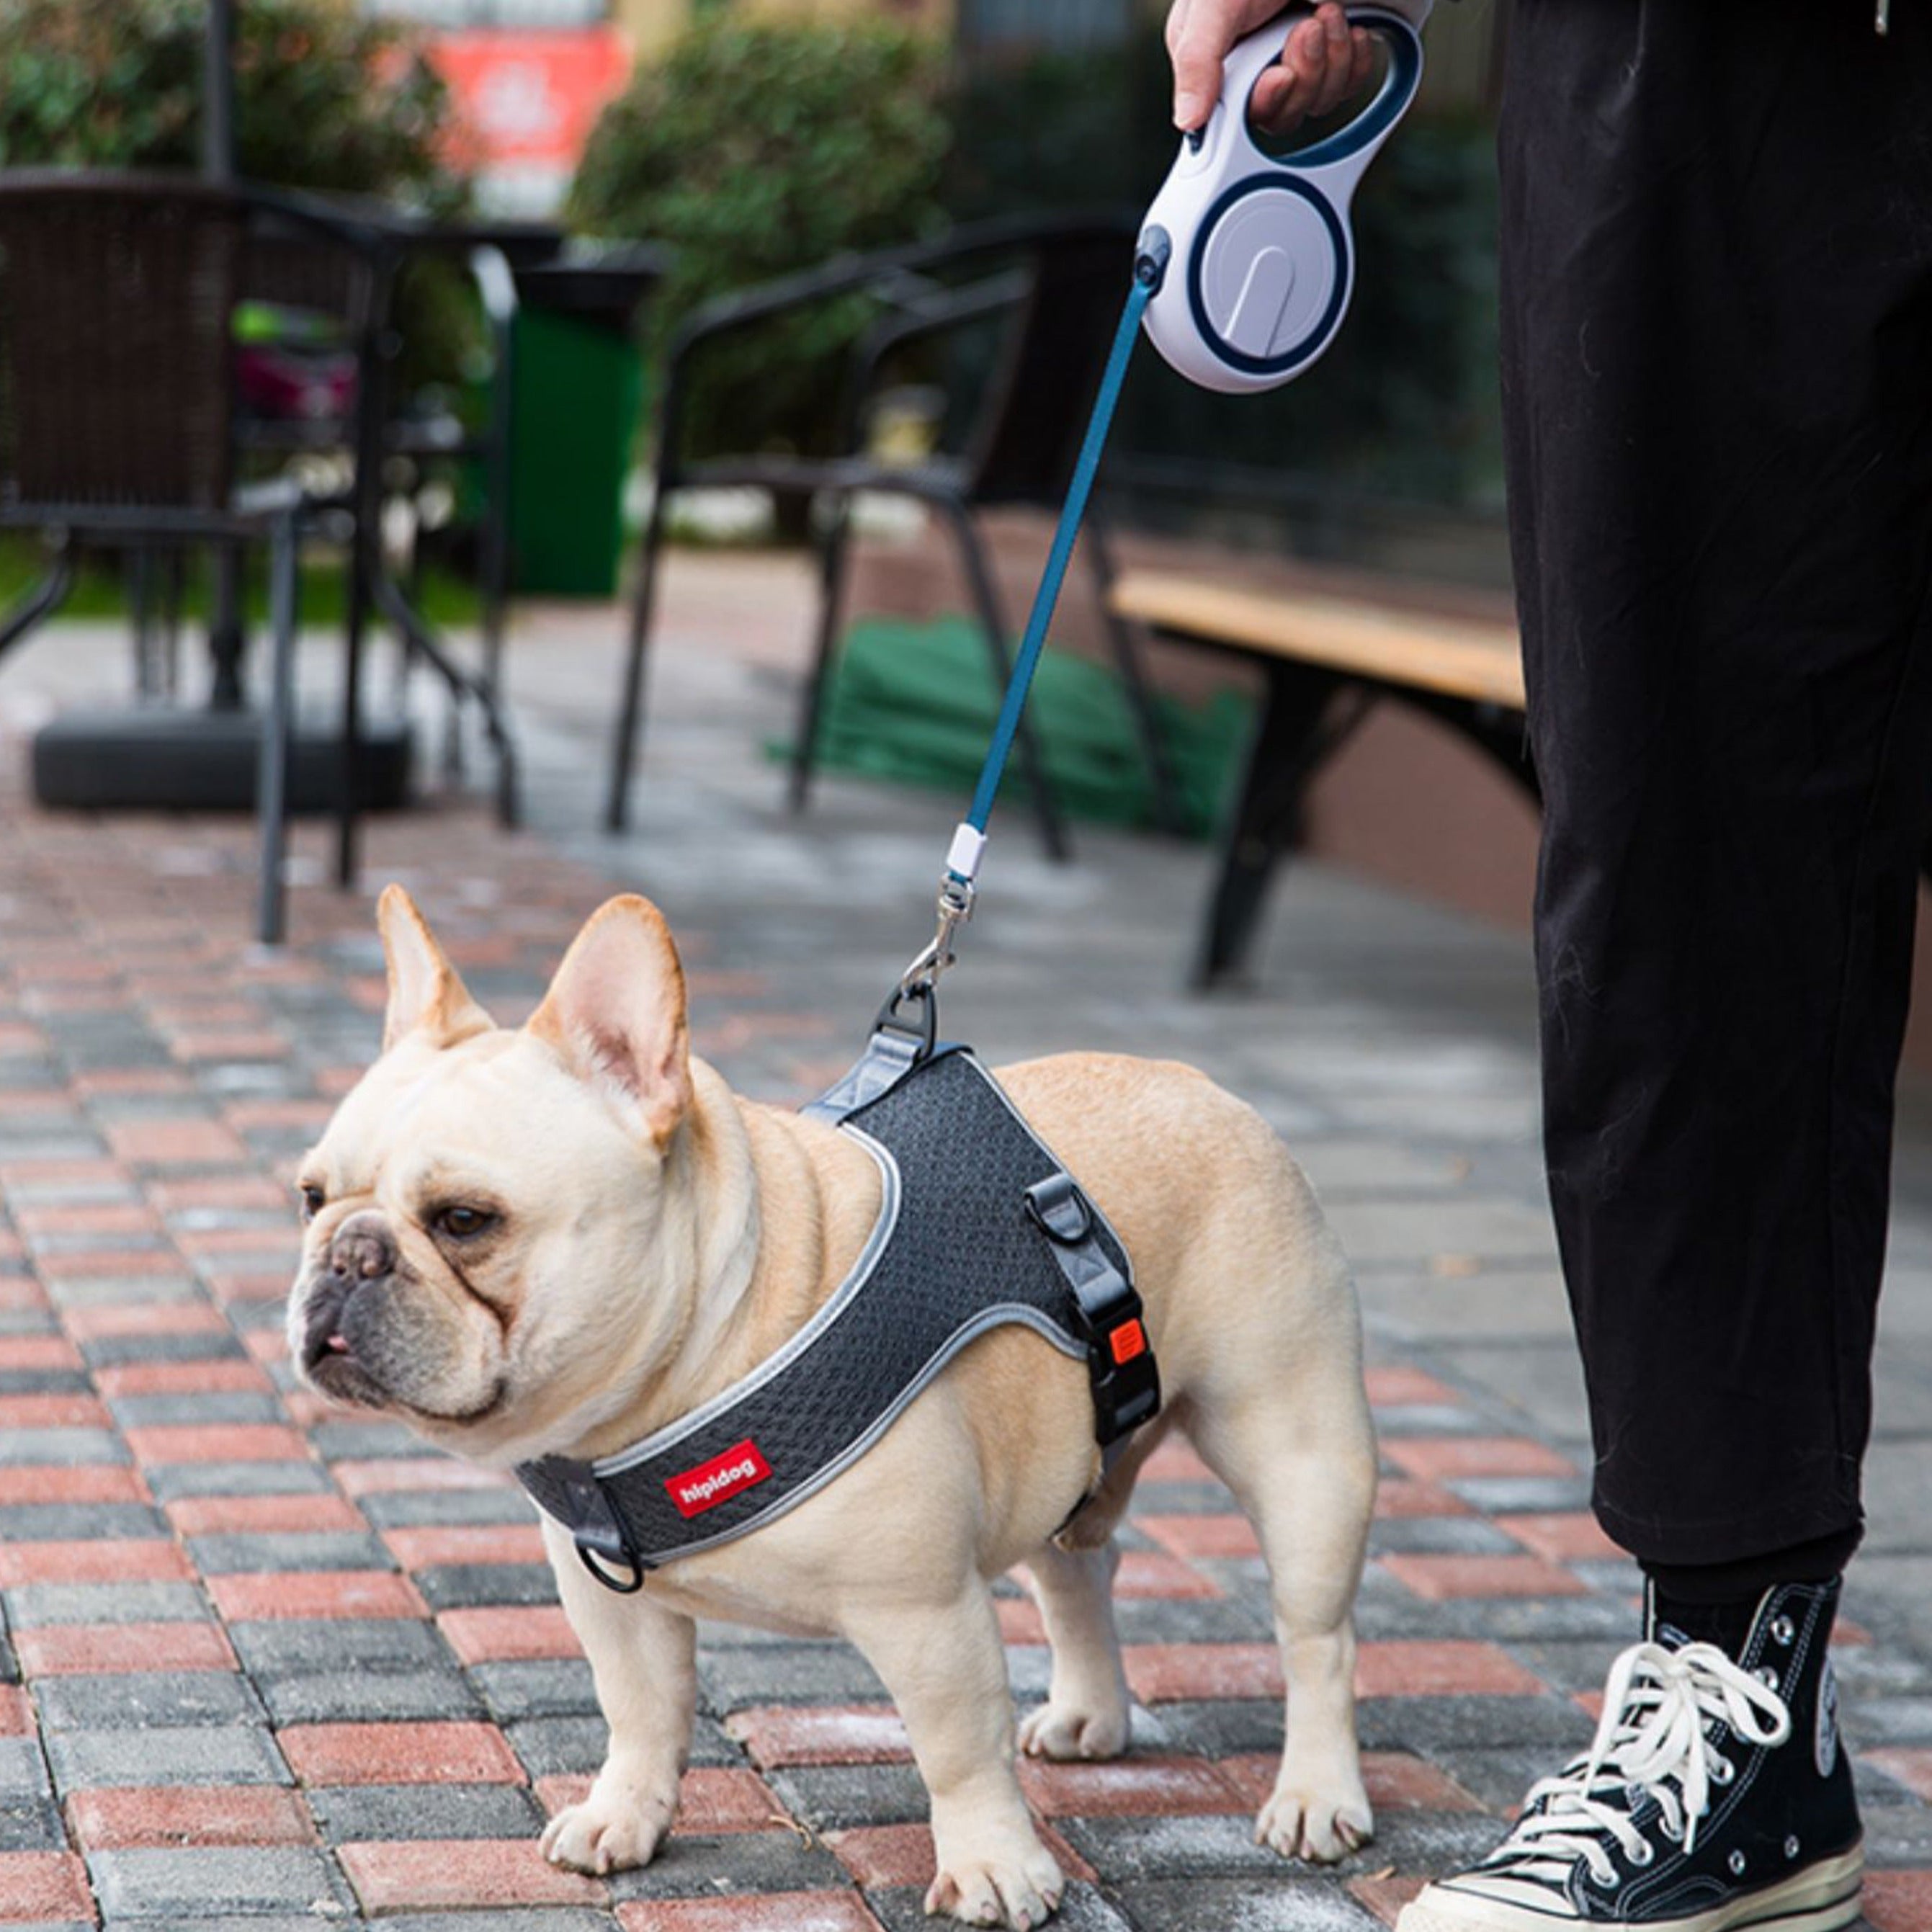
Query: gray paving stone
point(236, 1405)
point(1082, 1909)
point(29, 1824)
point(20, 1447)
point(347, 1813)
point(1244, 1905)
point(739, 1861)
point(548, 1745)
point(411, 1509)
point(102, 1352)
point(143, 1699)
point(1426, 1725)
point(209, 1754)
point(1522, 1496)
point(23, 1771)
point(1213, 1726)
point(172, 1482)
point(342, 1441)
point(63, 1522)
point(463, 1585)
point(41, 1381)
point(359, 1695)
point(541, 1688)
point(1193, 1619)
point(835, 1797)
point(1124, 1850)
point(254, 1552)
point(275, 1648)
point(1433, 1419)
point(1499, 1776)
point(798, 1673)
point(1444, 1535)
point(28, 1604)
point(183, 1882)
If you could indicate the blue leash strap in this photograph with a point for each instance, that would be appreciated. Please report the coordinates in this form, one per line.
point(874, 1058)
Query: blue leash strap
point(969, 841)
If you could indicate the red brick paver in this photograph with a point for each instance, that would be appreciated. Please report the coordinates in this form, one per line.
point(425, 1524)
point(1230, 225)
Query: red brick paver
point(428, 1875)
point(110, 1818)
point(400, 1754)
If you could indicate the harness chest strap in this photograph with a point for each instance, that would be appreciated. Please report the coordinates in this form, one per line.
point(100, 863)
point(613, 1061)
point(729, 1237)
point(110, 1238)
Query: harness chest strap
point(979, 1226)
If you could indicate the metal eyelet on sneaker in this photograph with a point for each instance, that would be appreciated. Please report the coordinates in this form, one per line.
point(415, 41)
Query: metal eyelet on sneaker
point(1722, 1771)
point(1676, 1837)
point(1783, 1629)
point(1766, 1676)
point(1649, 1851)
point(1791, 1846)
point(1736, 1862)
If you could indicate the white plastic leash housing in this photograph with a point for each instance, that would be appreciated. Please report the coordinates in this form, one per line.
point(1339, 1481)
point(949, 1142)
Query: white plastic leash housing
point(1263, 261)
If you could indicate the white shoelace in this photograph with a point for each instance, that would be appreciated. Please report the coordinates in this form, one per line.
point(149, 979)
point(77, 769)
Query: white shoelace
point(1650, 1737)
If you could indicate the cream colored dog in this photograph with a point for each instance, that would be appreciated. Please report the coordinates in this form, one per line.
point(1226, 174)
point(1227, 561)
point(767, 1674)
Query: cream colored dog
point(557, 1240)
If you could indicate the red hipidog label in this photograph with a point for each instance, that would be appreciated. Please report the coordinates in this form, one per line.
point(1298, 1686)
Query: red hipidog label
point(712, 1483)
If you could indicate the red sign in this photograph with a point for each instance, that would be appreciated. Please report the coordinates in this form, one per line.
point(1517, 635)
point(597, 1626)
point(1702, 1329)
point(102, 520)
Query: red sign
point(531, 98)
point(712, 1483)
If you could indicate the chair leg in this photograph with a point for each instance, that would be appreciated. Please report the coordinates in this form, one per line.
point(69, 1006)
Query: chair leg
point(141, 588)
point(992, 621)
point(1127, 659)
point(349, 769)
point(40, 602)
point(227, 636)
point(630, 710)
point(458, 683)
point(832, 558)
point(272, 798)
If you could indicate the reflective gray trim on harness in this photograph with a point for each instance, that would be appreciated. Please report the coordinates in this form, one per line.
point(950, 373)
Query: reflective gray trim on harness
point(979, 1226)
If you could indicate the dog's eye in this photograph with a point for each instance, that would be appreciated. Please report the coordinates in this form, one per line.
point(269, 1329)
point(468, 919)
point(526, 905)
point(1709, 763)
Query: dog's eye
point(313, 1200)
point(462, 1223)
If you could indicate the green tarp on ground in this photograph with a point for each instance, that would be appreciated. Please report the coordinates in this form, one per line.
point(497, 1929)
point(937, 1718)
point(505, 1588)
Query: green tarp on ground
point(915, 702)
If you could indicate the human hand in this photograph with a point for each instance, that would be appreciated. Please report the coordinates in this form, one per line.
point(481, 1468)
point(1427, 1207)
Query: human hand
point(1323, 60)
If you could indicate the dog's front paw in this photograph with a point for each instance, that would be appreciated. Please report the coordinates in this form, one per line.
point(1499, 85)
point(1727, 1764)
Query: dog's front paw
point(1018, 1886)
point(1306, 1818)
point(614, 1828)
point(1073, 1730)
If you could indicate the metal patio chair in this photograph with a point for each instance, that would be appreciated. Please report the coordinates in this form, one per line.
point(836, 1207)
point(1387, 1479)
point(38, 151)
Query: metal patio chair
point(117, 294)
point(1056, 285)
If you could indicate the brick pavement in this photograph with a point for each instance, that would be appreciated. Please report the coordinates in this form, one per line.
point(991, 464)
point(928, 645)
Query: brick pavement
point(268, 1665)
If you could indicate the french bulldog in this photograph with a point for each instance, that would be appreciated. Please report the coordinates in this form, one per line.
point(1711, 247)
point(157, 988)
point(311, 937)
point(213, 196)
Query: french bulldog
point(558, 1238)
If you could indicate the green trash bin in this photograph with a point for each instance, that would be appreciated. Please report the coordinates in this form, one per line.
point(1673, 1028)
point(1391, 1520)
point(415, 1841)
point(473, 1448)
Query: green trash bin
point(577, 395)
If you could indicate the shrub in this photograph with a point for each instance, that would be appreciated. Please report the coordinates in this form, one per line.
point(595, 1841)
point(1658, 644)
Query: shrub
point(757, 148)
point(326, 99)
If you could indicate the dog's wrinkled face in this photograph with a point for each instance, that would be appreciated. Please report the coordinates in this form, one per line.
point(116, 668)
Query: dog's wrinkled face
point(483, 1199)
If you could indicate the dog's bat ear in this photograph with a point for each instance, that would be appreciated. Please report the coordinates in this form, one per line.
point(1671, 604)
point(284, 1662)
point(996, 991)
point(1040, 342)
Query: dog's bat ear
point(615, 1014)
point(424, 991)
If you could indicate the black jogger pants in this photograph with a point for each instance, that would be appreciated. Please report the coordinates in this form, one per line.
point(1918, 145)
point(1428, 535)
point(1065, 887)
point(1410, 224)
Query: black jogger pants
point(1717, 262)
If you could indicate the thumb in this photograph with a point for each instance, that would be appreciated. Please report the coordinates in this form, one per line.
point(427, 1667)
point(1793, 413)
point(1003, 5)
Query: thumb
point(1199, 35)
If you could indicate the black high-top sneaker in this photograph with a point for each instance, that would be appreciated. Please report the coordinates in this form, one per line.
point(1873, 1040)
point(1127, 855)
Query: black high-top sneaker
point(1714, 1795)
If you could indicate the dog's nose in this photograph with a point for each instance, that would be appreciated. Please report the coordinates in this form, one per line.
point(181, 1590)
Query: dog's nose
point(362, 1249)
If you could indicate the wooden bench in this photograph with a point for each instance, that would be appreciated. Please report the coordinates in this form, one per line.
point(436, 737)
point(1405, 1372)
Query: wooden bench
point(1326, 660)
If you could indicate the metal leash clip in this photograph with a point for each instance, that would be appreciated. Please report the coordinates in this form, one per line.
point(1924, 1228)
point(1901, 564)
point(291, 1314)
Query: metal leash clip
point(955, 908)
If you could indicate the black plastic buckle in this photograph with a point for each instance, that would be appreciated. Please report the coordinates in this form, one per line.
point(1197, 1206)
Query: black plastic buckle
point(1126, 1394)
point(923, 1031)
point(597, 1530)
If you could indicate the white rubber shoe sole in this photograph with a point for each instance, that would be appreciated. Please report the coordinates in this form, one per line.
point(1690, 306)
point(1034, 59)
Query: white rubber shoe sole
point(1821, 1898)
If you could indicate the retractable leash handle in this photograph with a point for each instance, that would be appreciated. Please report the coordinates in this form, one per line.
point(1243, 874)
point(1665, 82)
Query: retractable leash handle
point(1264, 260)
point(1241, 277)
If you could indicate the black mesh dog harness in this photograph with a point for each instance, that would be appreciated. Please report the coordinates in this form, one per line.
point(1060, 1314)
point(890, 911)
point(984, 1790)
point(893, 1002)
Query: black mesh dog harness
point(979, 1226)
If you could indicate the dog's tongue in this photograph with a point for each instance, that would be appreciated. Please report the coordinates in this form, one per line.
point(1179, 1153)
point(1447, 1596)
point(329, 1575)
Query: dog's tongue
point(338, 1344)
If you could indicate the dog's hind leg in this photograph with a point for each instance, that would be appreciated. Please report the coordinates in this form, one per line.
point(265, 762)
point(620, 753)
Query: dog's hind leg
point(1299, 1454)
point(1086, 1711)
